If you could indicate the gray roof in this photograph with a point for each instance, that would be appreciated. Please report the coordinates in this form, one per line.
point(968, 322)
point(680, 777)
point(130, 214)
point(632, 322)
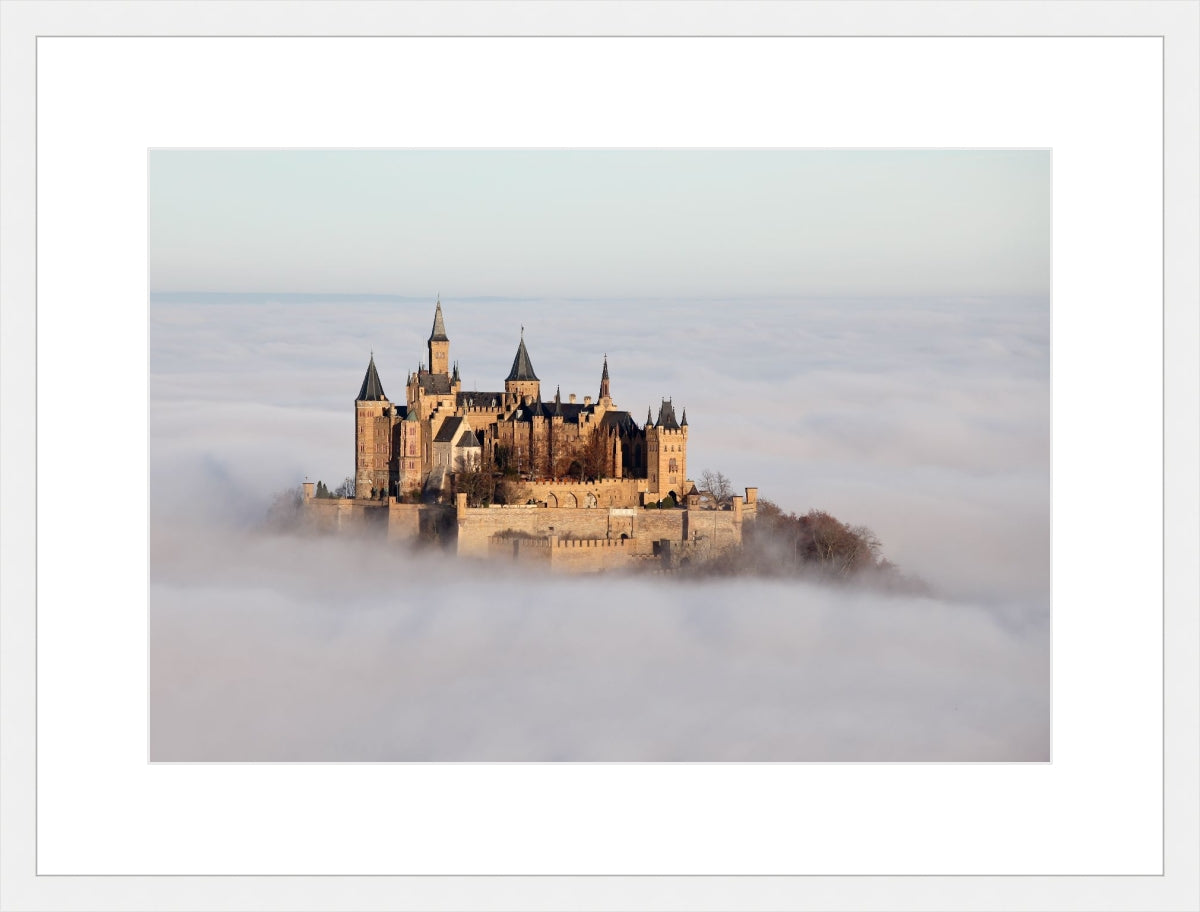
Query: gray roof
point(372, 389)
point(621, 421)
point(448, 429)
point(666, 416)
point(571, 411)
point(476, 399)
point(438, 384)
point(439, 325)
point(468, 439)
point(522, 368)
point(529, 412)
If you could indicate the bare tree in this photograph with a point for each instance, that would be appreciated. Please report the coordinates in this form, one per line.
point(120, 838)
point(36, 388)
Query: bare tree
point(284, 512)
point(346, 488)
point(512, 491)
point(475, 478)
point(837, 547)
point(717, 486)
point(593, 455)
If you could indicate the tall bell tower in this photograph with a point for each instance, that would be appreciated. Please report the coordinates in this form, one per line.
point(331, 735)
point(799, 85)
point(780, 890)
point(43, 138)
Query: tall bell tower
point(439, 343)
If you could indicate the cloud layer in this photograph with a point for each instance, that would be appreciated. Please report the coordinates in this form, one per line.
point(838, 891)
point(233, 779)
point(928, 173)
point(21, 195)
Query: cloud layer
point(926, 420)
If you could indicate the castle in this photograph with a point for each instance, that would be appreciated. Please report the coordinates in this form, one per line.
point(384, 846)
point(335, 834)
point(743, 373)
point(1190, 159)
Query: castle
point(582, 485)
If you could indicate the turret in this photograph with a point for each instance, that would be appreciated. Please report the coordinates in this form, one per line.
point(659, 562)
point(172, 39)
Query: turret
point(604, 393)
point(666, 452)
point(372, 434)
point(521, 380)
point(439, 343)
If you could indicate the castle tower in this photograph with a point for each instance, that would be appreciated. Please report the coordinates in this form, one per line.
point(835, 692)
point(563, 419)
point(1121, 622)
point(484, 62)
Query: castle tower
point(538, 449)
point(557, 448)
point(521, 380)
point(412, 449)
point(372, 435)
point(605, 396)
point(439, 343)
point(666, 452)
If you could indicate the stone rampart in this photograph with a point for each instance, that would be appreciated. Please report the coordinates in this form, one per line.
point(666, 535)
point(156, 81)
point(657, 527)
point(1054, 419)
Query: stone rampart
point(477, 525)
point(345, 514)
point(610, 492)
point(630, 534)
point(590, 556)
point(521, 550)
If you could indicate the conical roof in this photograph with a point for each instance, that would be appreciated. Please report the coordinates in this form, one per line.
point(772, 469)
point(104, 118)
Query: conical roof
point(683, 423)
point(372, 389)
point(666, 416)
point(522, 368)
point(558, 410)
point(439, 325)
point(604, 373)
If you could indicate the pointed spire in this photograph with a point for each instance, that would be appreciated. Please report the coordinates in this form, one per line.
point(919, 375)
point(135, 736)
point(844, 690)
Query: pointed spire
point(557, 402)
point(683, 423)
point(649, 420)
point(456, 378)
point(439, 324)
point(666, 416)
point(522, 367)
point(372, 389)
point(604, 393)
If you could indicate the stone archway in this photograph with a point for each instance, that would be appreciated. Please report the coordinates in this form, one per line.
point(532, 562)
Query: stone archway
point(551, 500)
point(569, 501)
point(591, 500)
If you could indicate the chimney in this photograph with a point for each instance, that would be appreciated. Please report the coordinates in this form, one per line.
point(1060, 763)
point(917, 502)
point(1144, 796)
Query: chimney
point(587, 400)
point(571, 398)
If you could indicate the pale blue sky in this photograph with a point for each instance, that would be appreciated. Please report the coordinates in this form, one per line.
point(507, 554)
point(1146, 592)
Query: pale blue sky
point(601, 223)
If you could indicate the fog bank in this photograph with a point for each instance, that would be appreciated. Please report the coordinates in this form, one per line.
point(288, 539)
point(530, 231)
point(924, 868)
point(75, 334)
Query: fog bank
point(926, 420)
point(268, 648)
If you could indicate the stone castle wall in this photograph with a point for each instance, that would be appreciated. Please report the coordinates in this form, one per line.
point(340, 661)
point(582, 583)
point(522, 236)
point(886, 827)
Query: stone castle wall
point(345, 514)
point(596, 539)
point(609, 492)
point(395, 521)
point(568, 539)
point(477, 525)
point(591, 556)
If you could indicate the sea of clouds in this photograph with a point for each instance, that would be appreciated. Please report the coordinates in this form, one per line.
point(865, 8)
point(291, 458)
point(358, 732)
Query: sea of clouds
point(927, 420)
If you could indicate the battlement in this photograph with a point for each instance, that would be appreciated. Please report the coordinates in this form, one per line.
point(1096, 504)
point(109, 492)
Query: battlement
point(591, 543)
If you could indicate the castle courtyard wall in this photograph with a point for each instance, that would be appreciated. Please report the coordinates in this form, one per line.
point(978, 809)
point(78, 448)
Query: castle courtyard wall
point(558, 538)
point(609, 492)
point(582, 539)
point(345, 514)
